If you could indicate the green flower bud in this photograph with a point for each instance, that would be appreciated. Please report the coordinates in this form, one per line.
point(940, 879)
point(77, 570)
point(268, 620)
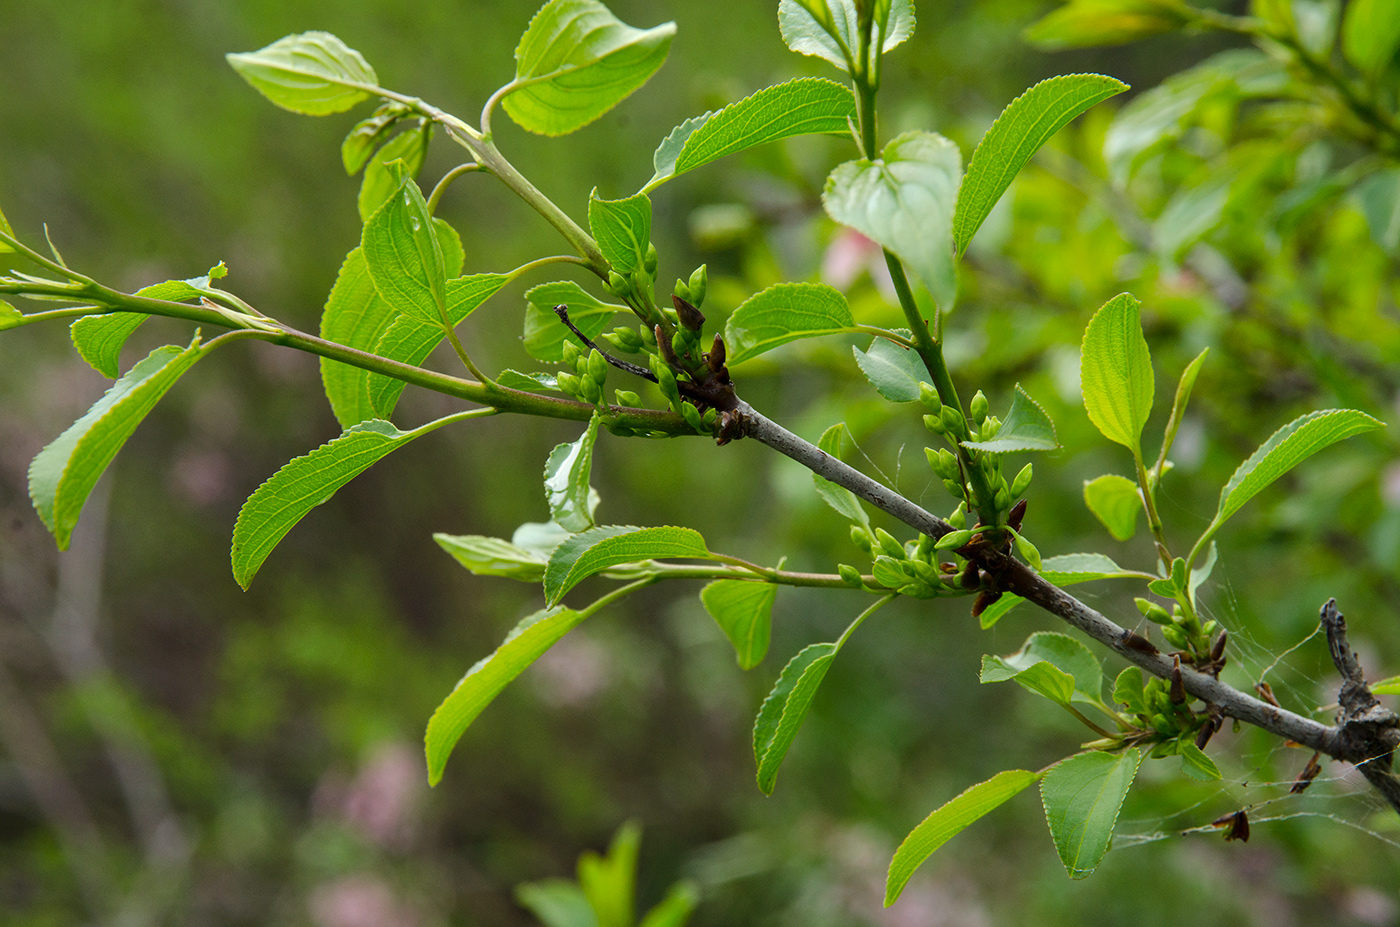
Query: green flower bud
point(681, 289)
point(889, 544)
point(699, 280)
point(648, 336)
point(860, 539)
point(934, 424)
point(954, 488)
point(1175, 636)
point(653, 257)
point(597, 367)
point(929, 397)
point(591, 391)
point(571, 353)
point(710, 417)
point(1022, 482)
point(953, 421)
point(1001, 499)
point(948, 465)
point(665, 379)
point(618, 285)
point(627, 339)
point(1152, 611)
point(581, 366)
point(959, 517)
point(1028, 551)
point(625, 397)
point(925, 572)
point(692, 417)
point(979, 408)
point(953, 540)
point(923, 547)
point(569, 384)
point(849, 575)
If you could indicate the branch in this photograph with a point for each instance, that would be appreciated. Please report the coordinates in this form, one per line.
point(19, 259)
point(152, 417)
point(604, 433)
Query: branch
point(1368, 732)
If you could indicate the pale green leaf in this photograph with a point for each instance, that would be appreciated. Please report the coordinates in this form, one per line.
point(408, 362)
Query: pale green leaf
point(379, 182)
point(622, 229)
point(805, 106)
point(576, 61)
point(557, 903)
point(905, 202)
point(1183, 395)
point(1127, 690)
point(312, 73)
point(1202, 573)
point(1027, 428)
point(1027, 123)
point(403, 255)
point(1371, 33)
point(303, 483)
point(487, 556)
point(99, 339)
point(1063, 652)
point(949, 821)
point(411, 341)
point(354, 316)
point(1379, 196)
point(1115, 372)
point(675, 909)
point(6, 228)
point(744, 612)
point(837, 22)
point(598, 549)
point(1114, 500)
point(10, 317)
point(1285, 449)
point(1082, 796)
point(894, 370)
point(63, 474)
point(1041, 678)
point(485, 680)
point(1196, 764)
point(1082, 23)
point(609, 882)
point(1389, 686)
point(180, 291)
point(566, 475)
point(545, 334)
point(834, 441)
point(527, 382)
point(369, 133)
point(785, 708)
point(783, 313)
point(1195, 210)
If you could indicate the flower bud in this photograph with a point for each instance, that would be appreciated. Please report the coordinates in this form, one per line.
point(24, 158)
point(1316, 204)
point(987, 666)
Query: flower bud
point(1022, 482)
point(953, 421)
point(597, 367)
point(849, 575)
point(934, 424)
point(625, 397)
point(681, 289)
point(889, 544)
point(699, 280)
point(591, 392)
point(692, 416)
point(959, 517)
point(929, 397)
point(955, 489)
point(953, 540)
point(569, 384)
point(860, 539)
point(618, 285)
point(653, 257)
point(979, 407)
point(627, 339)
point(571, 353)
point(690, 317)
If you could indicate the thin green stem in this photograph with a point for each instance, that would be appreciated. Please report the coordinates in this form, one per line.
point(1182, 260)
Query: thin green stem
point(618, 593)
point(490, 106)
point(740, 574)
point(1087, 723)
point(446, 182)
point(860, 619)
point(1154, 520)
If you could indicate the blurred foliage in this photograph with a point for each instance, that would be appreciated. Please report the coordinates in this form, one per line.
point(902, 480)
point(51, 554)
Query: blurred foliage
point(175, 751)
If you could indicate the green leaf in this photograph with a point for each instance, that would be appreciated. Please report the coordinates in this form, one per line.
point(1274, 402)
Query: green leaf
point(1115, 373)
point(410, 341)
point(99, 339)
point(1041, 678)
point(1114, 500)
point(487, 556)
point(528, 382)
point(1026, 124)
point(191, 290)
point(1202, 573)
point(1082, 796)
point(10, 317)
point(949, 821)
point(566, 474)
point(1183, 395)
point(404, 258)
point(1389, 686)
point(1371, 34)
point(675, 909)
point(622, 229)
point(1064, 570)
point(598, 549)
point(379, 182)
point(8, 230)
point(905, 202)
point(1127, 690)
point(312, 73)
point(1083, 23)
point(1196, 764)
point(783, 313)
point(835, 441)
point(303, 483)
point(785, 708)
point(576, 61)
point(610, 882)
point(557, 903)
point(805, 106)
point(837, 22)
point(545, 334)
point(369, 133)
point(1285, 449)
point(354, 316)
point(63, 474)
point(1379, 196)
point(1071, 658)
point(484, 681)
point(894, 370)
point(1027, 428)
point(744, 612)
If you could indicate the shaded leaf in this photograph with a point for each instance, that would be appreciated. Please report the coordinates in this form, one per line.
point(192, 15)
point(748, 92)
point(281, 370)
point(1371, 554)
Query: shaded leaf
point(557, 903)
point(785, 708)
point(312, 73)
point(744, 612)
point(1042, 678)
point(1115, 373)
point(834, 441)
point(783, 313)
point(1082, 796)
point(1371, 33)
point(1083, 23)
point(622, 229)
point(487, 556)
point(379, 182)
point(894, 370)
point(99, 339)
point(1379, 196)
point(597, 549)
point(1027, 428)
point(1026, 124)
point(1127, 690)
point(1183, 395)
point(576, 61)
point(566, 475)
point(947, 822)
point(609, 882)
point(545, 334)
point(1196, 764)
point(1114, 500)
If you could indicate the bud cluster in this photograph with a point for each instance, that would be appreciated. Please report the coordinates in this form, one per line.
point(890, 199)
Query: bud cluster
point(913, 568)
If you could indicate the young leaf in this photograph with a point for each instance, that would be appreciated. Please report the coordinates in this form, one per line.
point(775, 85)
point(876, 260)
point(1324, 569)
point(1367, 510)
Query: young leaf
point(610, 882)
point(1026, 124)
point(1127, 690)
point(180, 291)
point(408, 340)
point(948, 821)
point(1082, 796)
point(1082, 23)
point(1027, 428)
point(894, 370)
point(556, 903)
point(782, 313)
point(905, 203)
point(485, 680)
point(576, 61)
point(744, 612)
point(99, 339)
point(10, 317)
point(369, 133)
point(1183, 394)
point(1389, 686)
point(566, 474)
point(820, 27)
point(834, 442)
point(1285, 449)
point(1042, 678)
point(1196, 764)
point(63, 474)
point(5, 227)
point(785, 708)
point(622, 229)
point(805, 106)
point(486, 556)
point(354, 316)
point(1064, 570)
point(1114, 500)
point(598, 549)
point(1063, 652)
point(1115, 373)
point(312, 73)
point(1371, 34)
point(527, 382)
point(403, 256)
point(379, 182)
point(545, 334)
point(675, 909)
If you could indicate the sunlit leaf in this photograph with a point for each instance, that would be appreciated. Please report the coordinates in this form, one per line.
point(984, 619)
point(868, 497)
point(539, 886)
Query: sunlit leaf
point(598, 549)
point(1371, 33)
point(622, 229)
point(487, 556)
point(403, 256)
point(379, 182)
point(744, 612)
point(312, 73)
point(1115, 372)
point(1027, 428)
point(836, 22)
point(1114, 500)
point(1196, 764)
point(99, 339)
point(545, 334)
point(894, 370)
point(566, 475)
point(1082, 23)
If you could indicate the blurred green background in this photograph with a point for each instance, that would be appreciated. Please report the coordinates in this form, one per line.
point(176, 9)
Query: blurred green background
point(175, 751)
